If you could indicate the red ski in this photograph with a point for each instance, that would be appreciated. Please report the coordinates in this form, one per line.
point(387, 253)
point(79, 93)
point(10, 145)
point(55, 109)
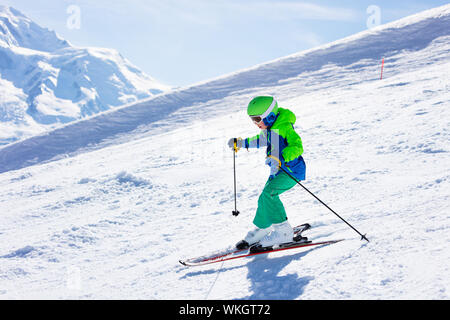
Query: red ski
point(229, 253)
point(233, 253)
point(237, 254)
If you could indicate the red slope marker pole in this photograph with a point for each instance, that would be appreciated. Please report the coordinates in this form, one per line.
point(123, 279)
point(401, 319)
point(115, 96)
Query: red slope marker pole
point(382, 65)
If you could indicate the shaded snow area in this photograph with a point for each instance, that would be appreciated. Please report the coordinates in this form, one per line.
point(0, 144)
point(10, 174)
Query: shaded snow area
point(104, 208)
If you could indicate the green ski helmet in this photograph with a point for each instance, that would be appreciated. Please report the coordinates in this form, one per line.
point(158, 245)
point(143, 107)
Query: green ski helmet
point(263, 108)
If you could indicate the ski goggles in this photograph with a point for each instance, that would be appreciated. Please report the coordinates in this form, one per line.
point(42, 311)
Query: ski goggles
point(256, 119)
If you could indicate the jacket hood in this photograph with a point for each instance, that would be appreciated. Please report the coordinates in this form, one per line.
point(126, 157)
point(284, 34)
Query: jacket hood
point(285, 116)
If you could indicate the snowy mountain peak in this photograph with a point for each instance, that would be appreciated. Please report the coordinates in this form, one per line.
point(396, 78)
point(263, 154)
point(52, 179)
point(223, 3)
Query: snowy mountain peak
point(18, 30)
point(55, 82)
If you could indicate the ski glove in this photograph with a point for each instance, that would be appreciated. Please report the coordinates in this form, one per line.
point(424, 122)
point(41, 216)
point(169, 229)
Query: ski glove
point(239, 143)
point(274, 167)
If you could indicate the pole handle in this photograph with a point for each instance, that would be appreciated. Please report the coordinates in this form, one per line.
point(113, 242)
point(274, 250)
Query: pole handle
point(276, 159)
point(235, 147)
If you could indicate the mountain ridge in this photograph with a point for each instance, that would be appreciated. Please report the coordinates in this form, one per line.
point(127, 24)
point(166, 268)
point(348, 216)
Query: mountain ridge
point(61, 83)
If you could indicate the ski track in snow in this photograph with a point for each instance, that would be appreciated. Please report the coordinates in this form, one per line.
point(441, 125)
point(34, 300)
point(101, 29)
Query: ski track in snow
point(113, 222)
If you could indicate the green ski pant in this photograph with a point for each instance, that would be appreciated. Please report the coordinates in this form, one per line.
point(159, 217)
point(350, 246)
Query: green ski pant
point(270, 208)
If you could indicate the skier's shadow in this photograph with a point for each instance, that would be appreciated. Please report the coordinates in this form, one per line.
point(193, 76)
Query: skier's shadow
point(266, 284)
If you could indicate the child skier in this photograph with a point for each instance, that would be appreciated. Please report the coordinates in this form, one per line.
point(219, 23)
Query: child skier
point(284, 148)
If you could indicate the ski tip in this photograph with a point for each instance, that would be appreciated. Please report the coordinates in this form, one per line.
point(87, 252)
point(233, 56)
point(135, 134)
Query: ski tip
point(182, 262)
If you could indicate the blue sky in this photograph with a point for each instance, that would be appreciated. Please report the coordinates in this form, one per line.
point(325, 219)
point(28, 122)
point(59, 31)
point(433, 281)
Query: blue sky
point(180, 42)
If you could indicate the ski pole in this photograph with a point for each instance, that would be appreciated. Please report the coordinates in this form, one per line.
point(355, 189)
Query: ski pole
point(235, 149)
point(298, 182)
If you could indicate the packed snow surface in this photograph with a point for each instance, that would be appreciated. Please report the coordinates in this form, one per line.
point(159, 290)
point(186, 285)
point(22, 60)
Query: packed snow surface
point(104, 208)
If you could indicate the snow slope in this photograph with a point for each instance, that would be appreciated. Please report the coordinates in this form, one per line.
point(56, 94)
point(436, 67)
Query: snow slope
point(55, 82)
point(105, 207)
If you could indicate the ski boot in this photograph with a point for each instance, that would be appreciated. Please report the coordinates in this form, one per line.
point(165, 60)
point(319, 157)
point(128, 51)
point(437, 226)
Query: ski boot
point(252, 238)
point(282, 233)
